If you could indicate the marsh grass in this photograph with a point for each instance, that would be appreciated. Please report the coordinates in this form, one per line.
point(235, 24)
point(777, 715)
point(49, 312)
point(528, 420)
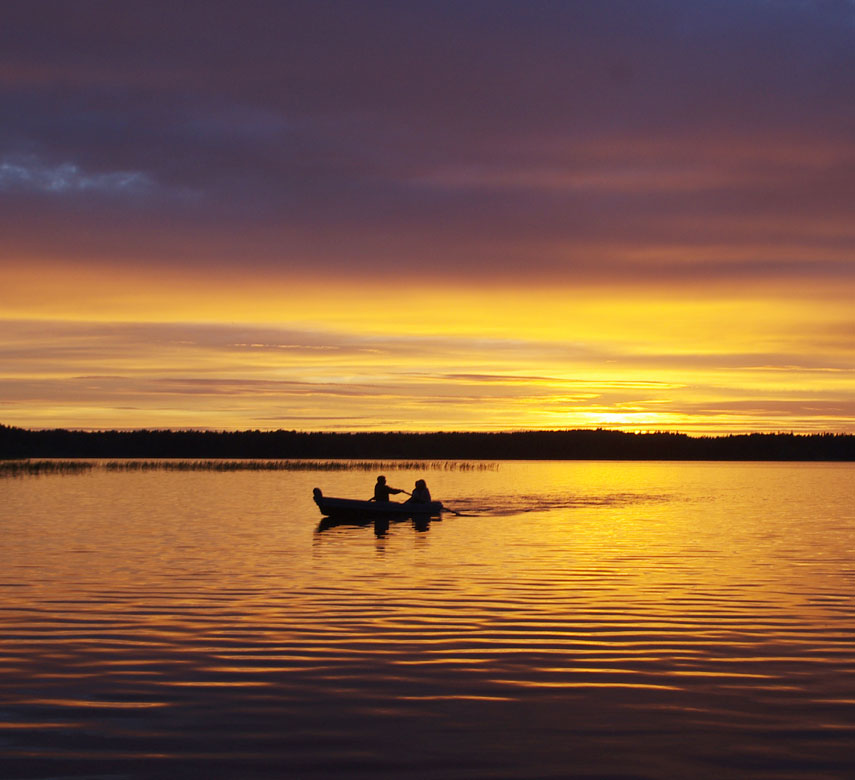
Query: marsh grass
point(36, 468)
point(294, 465)
point(19, 468)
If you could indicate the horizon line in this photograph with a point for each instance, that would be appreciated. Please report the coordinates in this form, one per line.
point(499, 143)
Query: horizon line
point(511, 431)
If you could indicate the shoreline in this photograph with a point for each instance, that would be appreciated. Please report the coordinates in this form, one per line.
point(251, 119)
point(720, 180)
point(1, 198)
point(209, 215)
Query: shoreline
point(281, 445)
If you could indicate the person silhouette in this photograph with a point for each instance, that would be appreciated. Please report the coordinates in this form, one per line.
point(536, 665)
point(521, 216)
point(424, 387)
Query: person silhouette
point(382, 491)
point(420, 494)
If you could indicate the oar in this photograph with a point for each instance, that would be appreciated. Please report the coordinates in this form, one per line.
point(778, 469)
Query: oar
point(444, 508)
point(449, 509)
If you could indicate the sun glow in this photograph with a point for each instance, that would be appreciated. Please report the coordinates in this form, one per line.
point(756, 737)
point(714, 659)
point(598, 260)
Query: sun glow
point(103, 348)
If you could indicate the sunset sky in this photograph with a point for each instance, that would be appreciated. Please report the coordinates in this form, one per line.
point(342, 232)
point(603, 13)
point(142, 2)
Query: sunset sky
point(428, 215)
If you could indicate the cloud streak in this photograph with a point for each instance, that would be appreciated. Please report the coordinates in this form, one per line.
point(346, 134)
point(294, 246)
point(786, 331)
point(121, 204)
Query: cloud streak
point(32, 175)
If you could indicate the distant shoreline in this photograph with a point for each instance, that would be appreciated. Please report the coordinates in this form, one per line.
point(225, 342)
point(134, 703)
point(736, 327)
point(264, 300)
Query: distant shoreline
point(21, 443)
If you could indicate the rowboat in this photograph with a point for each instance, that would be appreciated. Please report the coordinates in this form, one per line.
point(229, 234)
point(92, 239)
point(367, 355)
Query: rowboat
point(336, 507)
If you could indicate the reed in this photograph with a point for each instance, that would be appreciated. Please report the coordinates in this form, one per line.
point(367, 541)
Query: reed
point(36, 468)
point(296, 465)
point(20, 468)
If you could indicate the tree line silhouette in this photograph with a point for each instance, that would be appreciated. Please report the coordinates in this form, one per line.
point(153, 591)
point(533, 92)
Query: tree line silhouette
point(599, 444)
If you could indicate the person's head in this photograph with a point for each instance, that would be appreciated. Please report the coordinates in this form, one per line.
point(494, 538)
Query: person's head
point(381, 480)
point(420, 483)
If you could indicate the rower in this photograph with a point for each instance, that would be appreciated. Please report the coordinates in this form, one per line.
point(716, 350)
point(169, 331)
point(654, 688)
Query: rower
point(382, 491)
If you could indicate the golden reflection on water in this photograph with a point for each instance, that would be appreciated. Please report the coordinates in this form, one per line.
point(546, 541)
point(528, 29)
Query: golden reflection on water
point(209, 620)
point(92, 704)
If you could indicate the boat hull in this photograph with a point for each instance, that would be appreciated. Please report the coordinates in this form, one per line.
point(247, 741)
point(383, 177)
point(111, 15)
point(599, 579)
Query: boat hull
point(335, 507)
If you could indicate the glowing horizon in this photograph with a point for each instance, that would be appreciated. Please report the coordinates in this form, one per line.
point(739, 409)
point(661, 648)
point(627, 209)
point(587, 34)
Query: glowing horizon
point(356, 359)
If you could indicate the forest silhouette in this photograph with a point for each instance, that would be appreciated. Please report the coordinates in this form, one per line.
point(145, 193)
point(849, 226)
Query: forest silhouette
point(599, 444)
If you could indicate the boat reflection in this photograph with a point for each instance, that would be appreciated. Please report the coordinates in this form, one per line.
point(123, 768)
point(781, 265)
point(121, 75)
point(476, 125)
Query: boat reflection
point(380, 524)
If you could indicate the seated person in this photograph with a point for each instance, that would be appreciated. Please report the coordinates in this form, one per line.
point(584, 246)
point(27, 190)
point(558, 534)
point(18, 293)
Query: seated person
point(420, 494)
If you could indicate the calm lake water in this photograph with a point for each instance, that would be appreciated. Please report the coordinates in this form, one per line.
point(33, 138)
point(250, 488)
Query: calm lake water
point(661, 620)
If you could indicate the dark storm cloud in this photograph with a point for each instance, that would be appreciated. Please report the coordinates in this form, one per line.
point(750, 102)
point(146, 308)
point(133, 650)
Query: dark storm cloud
point(458, 136)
